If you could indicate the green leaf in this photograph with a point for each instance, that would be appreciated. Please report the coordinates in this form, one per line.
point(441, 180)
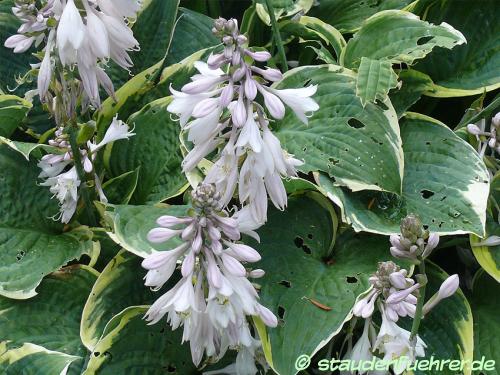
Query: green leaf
point(311, 28)
point(13, 110)
point(399, 37)
point(155, 149)
point(119, 189)
point(282, 8)
point(445, 183)
point(31, 242)
point(301, 268)
point(471, 68)
point(484, 304)
point(52, 318)
point(26, 148)
point(28, 255)
point(375, 79)
point(488, 256)
point(183, 44)
point(447, 329)
point(129, 346)
point(348, 15)
point(413, 85)
point(131, 224)
point(32, 359)
point(359, 146)
point(120, 284)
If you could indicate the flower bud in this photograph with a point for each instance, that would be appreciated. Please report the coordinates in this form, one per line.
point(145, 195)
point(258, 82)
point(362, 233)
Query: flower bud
point(411, 227)
point(473, 129)
point(496, 120)
point(449, 286)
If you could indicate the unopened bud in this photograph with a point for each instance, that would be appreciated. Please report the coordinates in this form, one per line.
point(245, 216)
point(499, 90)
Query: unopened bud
point(449, 286)
point(411, 227)
point(473, 129)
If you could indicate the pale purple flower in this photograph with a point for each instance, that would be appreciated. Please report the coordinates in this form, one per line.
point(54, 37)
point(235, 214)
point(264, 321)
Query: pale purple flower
point(214, 297)
point(230, 80)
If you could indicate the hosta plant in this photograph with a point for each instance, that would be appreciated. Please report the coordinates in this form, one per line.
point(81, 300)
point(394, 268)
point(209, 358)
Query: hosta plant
point(249, 187)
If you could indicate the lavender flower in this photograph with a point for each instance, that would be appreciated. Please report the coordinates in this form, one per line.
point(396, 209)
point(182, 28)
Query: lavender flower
point(219, 111)
point(59, 171)
point(72, 40)
point(214, 296)
point(489, 138)
point(397, 291)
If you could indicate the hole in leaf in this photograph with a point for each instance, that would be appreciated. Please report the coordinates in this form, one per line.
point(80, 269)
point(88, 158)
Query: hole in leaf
point(424, 40)
point(356, 124)
point(351, 279)
point(281, 312)
point(425, 226)
point(377, 141)
point(428, 143)
point(426, 194)
point(285, 283)
point(333, 161)
point(171, 368)
point(382, 105)
point(442, 199)
point(299, 242)
point(97, 354)
point(310, 236)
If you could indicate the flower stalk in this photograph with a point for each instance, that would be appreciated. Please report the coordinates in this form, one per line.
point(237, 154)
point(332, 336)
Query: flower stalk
point(419, 308)
point(75, 150)
point(277, 36)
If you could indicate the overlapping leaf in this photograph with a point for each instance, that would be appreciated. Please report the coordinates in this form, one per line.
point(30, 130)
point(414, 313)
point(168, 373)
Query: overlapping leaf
point(358, 146)
point(445, 182)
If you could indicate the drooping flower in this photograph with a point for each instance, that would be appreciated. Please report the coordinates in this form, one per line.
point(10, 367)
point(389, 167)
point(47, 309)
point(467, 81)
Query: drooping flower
point(221, 106)
point(59, 171)
point(390, 285)
point(83, 34)
point(486, 138)
point(214, 296)
point(394, 342)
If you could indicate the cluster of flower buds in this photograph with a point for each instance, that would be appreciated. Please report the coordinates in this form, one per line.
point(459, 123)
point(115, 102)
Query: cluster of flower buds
point(61, 174)
point(396, 295)
point(487, 138)
point(414, 243)
point(219, 111)
point(72, 40)
point(214, 296)
point(394, 288)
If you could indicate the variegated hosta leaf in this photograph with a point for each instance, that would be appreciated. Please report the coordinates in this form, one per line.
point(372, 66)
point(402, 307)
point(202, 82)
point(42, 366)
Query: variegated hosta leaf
point(413, 86)
point(52, 318)
point(445, 183)
point(282, 8)
point(488, 256)
point(31, 242)
point(33, 359)
point(484, 304)
point(375, 79)
point(398, 36)
point(471, 68)
point(311, 28)
point(348, 15)
point(358, 146)
point(448, 328)
point(13, 110)
point(154, 150)
point(129, 346)
point(302, 271)
point(120, 285)
point(131, 224)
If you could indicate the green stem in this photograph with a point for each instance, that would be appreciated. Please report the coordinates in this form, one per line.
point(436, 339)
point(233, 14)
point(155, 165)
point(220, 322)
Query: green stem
point(277, 36)
point(419, 309)
point(77, 157)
